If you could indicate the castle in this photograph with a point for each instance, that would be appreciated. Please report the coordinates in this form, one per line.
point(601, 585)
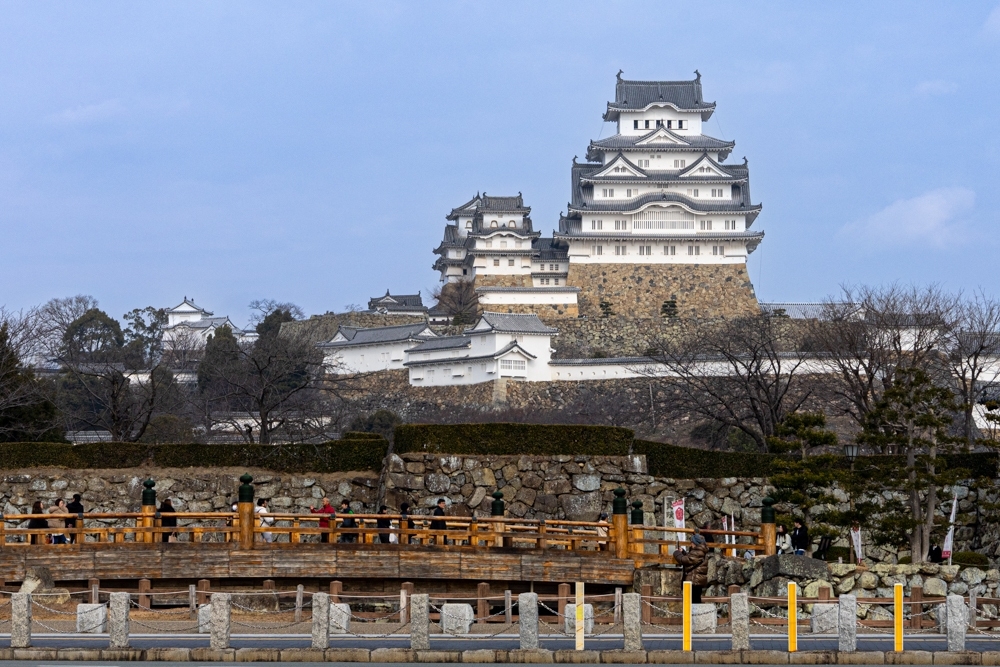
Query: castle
point(657, 223)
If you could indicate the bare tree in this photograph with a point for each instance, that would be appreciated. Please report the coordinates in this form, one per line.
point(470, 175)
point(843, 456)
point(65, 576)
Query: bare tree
point(459, 300)
point(26, 410)
point(867, 334)
point(973, 354)
point(744, 373)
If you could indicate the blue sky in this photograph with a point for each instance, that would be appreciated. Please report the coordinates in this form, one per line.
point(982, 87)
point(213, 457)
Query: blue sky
point(308, 152)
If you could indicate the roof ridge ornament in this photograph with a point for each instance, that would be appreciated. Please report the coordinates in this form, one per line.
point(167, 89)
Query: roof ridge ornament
point(619, 75)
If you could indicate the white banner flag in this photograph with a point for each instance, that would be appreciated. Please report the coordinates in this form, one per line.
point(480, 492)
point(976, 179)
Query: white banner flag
point(856, 539)
point(949, 540)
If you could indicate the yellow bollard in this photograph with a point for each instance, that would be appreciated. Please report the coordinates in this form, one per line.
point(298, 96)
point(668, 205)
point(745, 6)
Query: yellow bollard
point(686, 617)
point(793, 622)
point(897, 617)
point(579, 616)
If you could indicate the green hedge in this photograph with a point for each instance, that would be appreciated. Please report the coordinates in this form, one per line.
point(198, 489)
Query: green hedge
point(531, 439)
point(335, 456)
point(666, 460)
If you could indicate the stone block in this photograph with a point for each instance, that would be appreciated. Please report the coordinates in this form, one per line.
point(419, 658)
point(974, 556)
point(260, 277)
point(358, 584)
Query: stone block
point(320, 631)
point(569, 623)
point(957, 658)
point(420, 622)
point(340, 618)
point(813, 658)
point(991, 658)
point(391, 655)
point(118, 621)
point(303, 655)
point(168, 655)
point(957, 613)
point(739, 609)
point(220, 621)
point(480, 656)
point(718, 657)
point(213, 654)
point(36, 654)
point(847, 624)
point(456, 619)
point(535, 656)
point(78, 654)
point(258, 655)
point(204, 618)
point(439, 656)
point(615, 657)
point(765, 657)
point(632, 619)
point(861, 658)
point(790, 565)
point(824, 619)
point(527, 609)
point(348, 655)
point(123, 655)
point(20, 620)
point(670, 657)
point(571, 657)
point(704, 618)
point(909, 658)
point(91, 618)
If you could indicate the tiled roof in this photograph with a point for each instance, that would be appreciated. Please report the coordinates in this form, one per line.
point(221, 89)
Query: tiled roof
point(527, 323)
point(442, 343)
point(613, 361)
point(619, 142)
point(796, 311)
point(376, 335)
point(666, 237)
point(637, 95)
point(740, 206)
point(396, 302)
point(188, 302)
point(549, 249)
point(489, 204)
point(452, 360)
point(205, 323)
point(546, 290)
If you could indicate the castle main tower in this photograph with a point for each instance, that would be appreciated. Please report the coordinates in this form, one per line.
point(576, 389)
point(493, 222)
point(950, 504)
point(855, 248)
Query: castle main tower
point(658, 224)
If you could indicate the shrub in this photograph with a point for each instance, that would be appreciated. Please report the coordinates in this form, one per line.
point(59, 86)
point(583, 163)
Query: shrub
point(833, 553)
point(514, 439)
point(685, 463)
point(970, 559)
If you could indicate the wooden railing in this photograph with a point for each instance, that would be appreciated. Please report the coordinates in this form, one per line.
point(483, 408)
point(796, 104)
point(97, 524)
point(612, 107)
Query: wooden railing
point(248, 530)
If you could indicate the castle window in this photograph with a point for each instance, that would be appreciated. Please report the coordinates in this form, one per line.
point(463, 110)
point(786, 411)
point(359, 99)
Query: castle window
point(557, 267)
point(496, 262)
point(628, 193)
point(694, 250)
point(513, 364)
point(669, 250)
point(468, 224)
point(621, 249)
point(494, 224)
point(645, 250)
point(716, 192)
point(680, 125)
point(643, 163)
point(465, 272)
point(719, 250)
point(659, 123)
point(557, 281)
point(730, 224)
point(693, 192)
point(510, 262)
point(596, 224)
point(609, 192)
point(596, 250)
point(647, 124)
point(543, 281)
point(489, 244)
point(621, 224)
point(503, 244)
point(679, 164)
point(670, 124)
point(635, 125)
point(706, 225)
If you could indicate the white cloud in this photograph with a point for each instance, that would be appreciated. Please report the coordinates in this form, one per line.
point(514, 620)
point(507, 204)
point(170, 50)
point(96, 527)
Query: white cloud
point(86, 114)
point(933, 218)
point(935, 87)
point(992, 25)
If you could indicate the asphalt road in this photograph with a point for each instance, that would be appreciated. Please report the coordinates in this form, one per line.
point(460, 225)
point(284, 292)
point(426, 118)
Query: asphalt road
point(872, 642)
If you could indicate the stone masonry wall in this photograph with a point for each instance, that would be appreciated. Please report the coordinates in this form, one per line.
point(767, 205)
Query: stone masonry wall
point(639, 290)
point(555, 313)
point(503, 281)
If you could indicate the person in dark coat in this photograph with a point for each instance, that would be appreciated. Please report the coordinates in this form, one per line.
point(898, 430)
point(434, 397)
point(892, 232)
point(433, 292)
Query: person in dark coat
point(695, 564)
point(440, 524)
point(345, 509)
point(168, 521)
point(800, 539)
point(404, 510)
point(74, 507)
point(38, 523)
point(385, 522)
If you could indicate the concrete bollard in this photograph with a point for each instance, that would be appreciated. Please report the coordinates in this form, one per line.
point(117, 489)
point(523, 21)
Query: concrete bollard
point(321, 620)
point(739, 612)
point(847, 624)
point(704, 618)
point(219, 638)
point(20, 620)
point(204, 619)
point(527, 612)
point(118, 621)
point(340, 618)
point(824, 619)
point(91, 618)
point(632, 616)
point(569, 623)
point(958, 616)
point(420, 639)
point(456, 619)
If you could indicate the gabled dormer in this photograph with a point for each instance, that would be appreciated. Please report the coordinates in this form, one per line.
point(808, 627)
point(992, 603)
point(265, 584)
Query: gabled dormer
point(705, 167)
point(619, 167)
point(661, 136)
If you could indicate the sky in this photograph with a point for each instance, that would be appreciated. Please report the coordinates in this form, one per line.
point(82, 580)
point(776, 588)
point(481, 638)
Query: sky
point(308, 151)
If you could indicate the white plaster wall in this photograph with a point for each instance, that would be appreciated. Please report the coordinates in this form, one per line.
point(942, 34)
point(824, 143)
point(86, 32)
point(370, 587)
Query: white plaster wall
point(366, 358)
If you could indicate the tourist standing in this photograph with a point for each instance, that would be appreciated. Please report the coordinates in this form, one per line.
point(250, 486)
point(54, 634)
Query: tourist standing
point(383, 522)
point(329, 512)
point(695, 566)
point(74, 507)
point(349, 523)
point(38, 523)
point(440, 524)
point(167, 507)
point(58, 508)
point(782, 542)
point(263, 518)
point(602, 531)
point(800, 538)
point(404, 510)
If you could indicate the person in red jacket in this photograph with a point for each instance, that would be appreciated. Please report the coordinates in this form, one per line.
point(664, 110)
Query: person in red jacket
point(324, 522)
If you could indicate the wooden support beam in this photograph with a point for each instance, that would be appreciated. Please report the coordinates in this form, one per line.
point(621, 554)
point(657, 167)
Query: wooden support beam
point(145, 600)
point(732, 590)
point(204, 591)
point(94, 585)
point(564, 593)
point(482, 604)
point(916, 596)
point(647, 611)
point(269, 584)
point(336, 588)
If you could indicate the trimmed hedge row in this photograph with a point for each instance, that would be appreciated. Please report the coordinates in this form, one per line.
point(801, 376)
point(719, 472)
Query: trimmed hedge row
point(665, 460)
point(336, 456)
point(500, 438)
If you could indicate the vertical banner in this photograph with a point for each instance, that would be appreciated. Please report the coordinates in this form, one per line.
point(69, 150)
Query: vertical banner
point(949, 540)
point(677, 509)
point(856, 540)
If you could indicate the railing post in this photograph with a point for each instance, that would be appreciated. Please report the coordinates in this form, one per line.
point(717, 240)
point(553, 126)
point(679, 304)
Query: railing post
point(847, 624)
point(336, 588)
point(619, 516)
point(957, 620)
point(95, 588)
point(482, 603)
point(219, 638)
point(632, 613)
point(897, 617)
point(405, 600)
point(321, 620)
point(527, 613)
point(767, 530)
point(793, 617)
point(299, 593)
point(148, 512)
point(739, 620)
point(497, 511)
point(637, 521)
point(118, 621)
point(145, 600)
point(420, 622)
point(245, 510)
point(20, 620)
point(508, 610)
point(3, 531)
point(646, 591)
point(563, 600)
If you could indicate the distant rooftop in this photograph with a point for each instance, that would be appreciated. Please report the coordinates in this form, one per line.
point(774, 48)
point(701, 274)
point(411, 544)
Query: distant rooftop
point(397, 302)
point(638, 95)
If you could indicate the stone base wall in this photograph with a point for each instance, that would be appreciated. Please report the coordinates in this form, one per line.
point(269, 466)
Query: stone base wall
point(555, 313)
point(616, 336)
point(504, 281)
point(639, 290)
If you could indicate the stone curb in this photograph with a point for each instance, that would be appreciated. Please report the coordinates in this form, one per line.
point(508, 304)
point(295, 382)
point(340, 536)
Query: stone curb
point(481, 656)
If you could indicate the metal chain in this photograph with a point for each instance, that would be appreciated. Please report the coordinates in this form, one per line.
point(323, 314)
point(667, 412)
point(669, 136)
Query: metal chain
point(236, 621)
point(164, 630)
point(55, 611)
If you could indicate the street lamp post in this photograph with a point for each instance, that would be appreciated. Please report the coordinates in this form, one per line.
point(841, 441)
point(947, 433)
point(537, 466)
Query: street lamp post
point(851, 451)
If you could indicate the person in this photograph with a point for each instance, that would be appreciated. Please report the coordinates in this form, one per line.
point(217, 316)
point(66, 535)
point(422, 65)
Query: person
point(58, 508)
point(698, 538)
point(602, 532)
point(404, 510)
point(74, 507)
point(440, 524)
point(38, 524)
point(324, 522)
point(349, 523)
point(167, 507)
point(781, 540)
point(695, 566)
point(264, 519)
point(383, 522)
point(800, 538)
point(934, 555)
